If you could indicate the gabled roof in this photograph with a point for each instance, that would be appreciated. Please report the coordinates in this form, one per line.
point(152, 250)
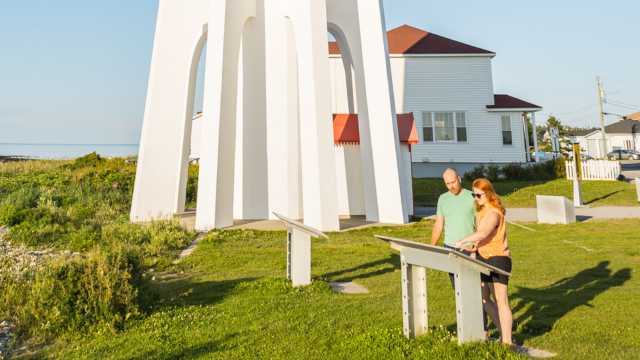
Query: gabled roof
point(628, 126)
point(510, 102)
point(579, 132)
point(346, 129)
point(409, 40)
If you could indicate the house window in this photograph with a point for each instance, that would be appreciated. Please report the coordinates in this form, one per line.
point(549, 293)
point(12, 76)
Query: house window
point(461, 127)
point(444, 127)
point(427, 129)
point(445, 130)
point(507, 136)
point(627, 145)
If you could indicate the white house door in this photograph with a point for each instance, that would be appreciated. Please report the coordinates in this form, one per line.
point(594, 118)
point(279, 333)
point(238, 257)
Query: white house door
point(592, 148)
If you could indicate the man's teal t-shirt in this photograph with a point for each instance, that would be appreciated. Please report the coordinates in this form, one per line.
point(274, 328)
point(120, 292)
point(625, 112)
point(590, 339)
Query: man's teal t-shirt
point(459, 216)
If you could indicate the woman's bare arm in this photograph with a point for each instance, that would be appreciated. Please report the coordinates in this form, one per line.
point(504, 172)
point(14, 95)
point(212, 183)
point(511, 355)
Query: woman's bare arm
point(493, 220)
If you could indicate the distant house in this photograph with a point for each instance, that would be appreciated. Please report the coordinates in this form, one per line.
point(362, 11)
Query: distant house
point(578, 136)
point(623, 134)
point(448, 86)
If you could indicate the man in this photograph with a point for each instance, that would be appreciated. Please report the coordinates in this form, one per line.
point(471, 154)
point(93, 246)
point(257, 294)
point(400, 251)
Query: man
point(456, 215)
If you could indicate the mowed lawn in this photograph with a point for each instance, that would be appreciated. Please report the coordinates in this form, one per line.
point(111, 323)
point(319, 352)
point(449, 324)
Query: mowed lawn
point(233, 302)
point(522, 194)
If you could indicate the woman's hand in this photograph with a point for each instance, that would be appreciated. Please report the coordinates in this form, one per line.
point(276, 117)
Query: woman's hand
point(473, 255)
point(457, 244)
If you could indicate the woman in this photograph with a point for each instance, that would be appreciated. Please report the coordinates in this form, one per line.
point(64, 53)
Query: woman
point(490, 243)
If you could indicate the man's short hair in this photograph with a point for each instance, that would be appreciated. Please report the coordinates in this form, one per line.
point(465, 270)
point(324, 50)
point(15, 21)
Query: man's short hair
point(451, 169)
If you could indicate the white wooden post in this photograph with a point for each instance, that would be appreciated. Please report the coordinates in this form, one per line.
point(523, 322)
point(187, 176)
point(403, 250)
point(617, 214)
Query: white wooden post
point(638, 187)
point(299, 250)
point(415, 257)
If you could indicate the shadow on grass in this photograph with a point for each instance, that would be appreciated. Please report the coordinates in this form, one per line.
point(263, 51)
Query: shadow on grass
point(545, 306)
point(602, 197)
point(207, 348)
point(393, 260)
point(189, 292)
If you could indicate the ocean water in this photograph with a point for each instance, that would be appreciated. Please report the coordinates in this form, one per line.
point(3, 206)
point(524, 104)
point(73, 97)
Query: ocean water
point(67, 151)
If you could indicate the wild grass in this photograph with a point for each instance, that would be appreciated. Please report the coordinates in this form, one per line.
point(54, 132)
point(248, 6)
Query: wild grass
point(233, 301)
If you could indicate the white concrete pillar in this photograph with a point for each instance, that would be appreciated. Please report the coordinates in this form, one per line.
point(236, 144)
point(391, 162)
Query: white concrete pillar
point(250, 189)
point(535, 136)
point(387, 162)
point(320, 200)
point(216, 180)
point(344, 26)
point(283, 155)
point(160, 184)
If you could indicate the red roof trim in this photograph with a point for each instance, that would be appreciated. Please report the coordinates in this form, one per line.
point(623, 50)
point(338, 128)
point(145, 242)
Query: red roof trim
point(347, 131)
point(409, 40)
point(510, 102)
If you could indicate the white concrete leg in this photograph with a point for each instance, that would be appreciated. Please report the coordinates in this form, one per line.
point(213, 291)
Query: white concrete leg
point(387, 162)
point(216, 180)
point(160, 183)
point(283, 155)
point(319, 189)
point(344, 26)
point(469, 305)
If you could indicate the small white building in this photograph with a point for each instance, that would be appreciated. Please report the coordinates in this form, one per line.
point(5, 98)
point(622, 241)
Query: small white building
point(623, 134)
point(448, 86)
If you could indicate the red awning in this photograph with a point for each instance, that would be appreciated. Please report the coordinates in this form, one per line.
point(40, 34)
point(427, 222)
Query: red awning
point(346, 130)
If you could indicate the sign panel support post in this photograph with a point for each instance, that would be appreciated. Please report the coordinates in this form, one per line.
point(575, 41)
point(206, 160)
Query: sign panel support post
point(577, 179)
point(299, 250)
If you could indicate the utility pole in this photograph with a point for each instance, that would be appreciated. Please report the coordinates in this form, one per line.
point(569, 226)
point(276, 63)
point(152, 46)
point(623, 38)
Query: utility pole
point(604, 137)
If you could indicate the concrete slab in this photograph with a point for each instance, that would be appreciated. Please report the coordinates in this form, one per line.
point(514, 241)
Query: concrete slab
point(555, 210)
point(348, 288)
point(188, 218)
point(186, 252)
point(529, 351)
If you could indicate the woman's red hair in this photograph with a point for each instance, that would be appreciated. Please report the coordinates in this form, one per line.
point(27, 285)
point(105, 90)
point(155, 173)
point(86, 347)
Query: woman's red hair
point(494, 199)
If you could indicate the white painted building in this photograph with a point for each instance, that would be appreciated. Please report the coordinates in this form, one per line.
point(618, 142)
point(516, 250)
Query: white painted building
point(624, 134)
point(448, 87)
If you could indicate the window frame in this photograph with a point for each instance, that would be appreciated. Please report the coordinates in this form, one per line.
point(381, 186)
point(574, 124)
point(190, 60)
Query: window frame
point(434, 139)
point(502, 130)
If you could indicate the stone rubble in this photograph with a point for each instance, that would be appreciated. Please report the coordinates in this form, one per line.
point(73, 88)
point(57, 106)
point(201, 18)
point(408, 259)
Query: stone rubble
point(19, 263)
point(6, 337)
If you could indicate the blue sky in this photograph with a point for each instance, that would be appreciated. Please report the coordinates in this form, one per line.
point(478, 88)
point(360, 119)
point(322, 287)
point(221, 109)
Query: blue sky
point(76, 71)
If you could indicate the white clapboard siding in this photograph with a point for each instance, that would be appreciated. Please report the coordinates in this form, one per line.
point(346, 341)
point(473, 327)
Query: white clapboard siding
point(452, 84)
point(595, 170)
point(349, 180)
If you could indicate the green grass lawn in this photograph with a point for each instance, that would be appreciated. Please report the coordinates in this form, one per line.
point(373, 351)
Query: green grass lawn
point(522, 194)
point(232, 300)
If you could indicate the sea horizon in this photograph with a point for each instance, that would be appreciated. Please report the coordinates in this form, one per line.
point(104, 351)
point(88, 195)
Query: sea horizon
point(66, 151)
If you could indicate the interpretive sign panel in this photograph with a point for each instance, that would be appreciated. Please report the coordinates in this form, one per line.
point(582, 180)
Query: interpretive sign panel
point(414, 258)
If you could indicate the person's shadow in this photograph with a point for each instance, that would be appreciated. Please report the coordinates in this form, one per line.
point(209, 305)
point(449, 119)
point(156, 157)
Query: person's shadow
point(545, 306)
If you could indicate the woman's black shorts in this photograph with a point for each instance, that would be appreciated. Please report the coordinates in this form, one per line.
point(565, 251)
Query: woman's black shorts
point(502, 263)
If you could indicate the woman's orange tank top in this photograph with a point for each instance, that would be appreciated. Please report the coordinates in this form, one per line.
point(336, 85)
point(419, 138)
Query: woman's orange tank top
point(496, 243)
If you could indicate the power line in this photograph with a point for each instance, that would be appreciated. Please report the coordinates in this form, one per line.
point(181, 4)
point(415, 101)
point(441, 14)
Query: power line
point(571, 112)
point(628, 82)
point(626, 107)
point(618, 102)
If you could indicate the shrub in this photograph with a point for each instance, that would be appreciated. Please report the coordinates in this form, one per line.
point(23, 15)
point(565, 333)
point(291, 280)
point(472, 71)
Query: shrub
point(515, 171)
point(493, 172)
point(89, 160)
point(100, 292)
point(478, 172)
